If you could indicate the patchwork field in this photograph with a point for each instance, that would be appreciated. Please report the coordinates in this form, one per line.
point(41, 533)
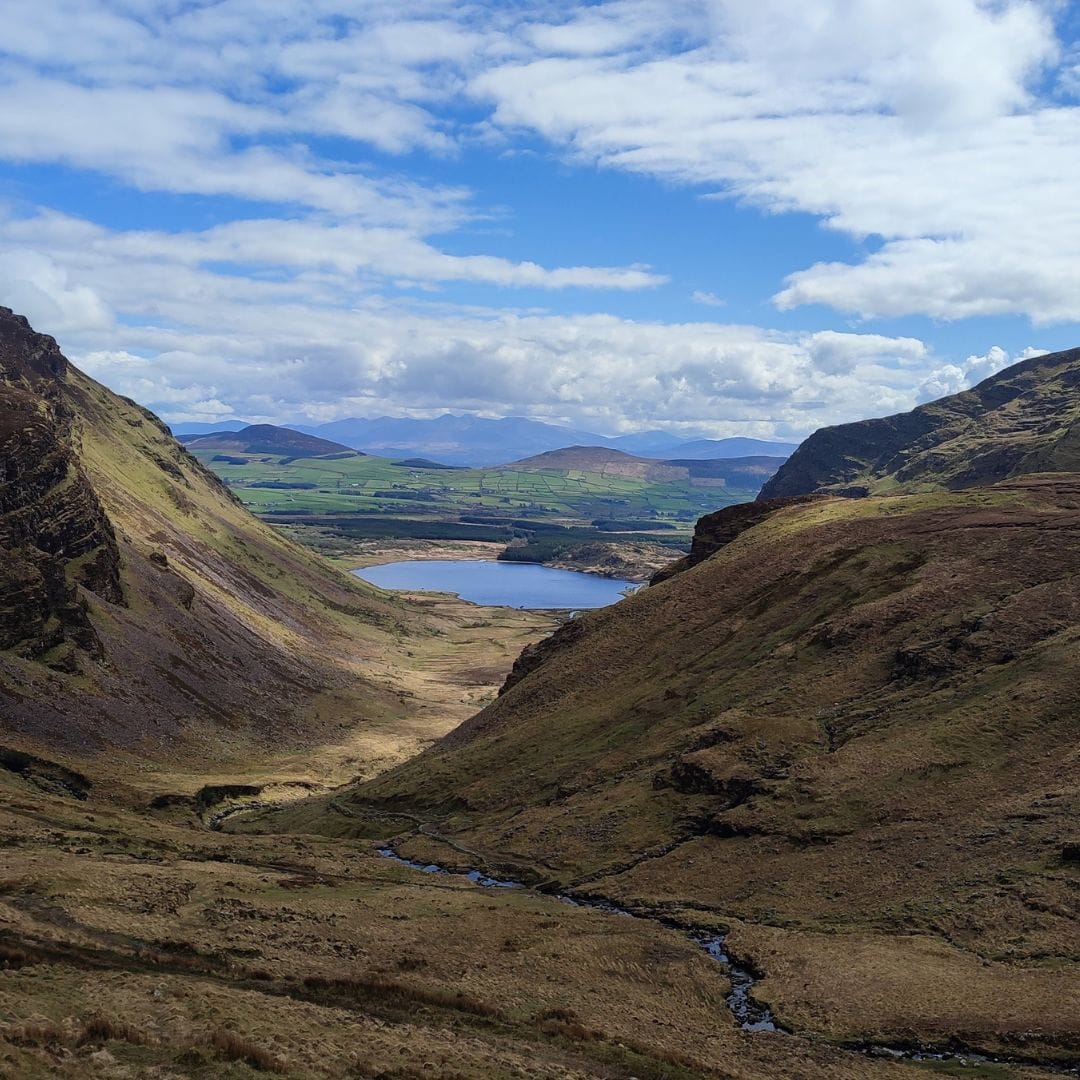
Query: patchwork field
point(374, 485)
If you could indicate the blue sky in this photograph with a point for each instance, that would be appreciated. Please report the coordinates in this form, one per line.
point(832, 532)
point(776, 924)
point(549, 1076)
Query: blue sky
point(721, 217)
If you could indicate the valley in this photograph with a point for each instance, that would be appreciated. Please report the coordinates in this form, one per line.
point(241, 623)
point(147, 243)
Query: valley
point(819, 778)
point(587, 508)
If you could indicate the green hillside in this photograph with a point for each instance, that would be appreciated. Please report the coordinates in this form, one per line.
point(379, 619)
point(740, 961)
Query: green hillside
point(373, 496)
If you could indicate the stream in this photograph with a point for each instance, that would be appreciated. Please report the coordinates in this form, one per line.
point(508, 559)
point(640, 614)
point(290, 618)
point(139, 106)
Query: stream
point(751, 1015)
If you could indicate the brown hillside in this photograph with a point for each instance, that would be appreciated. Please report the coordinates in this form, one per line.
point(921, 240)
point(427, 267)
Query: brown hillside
point(141, 606)
point(853, 718)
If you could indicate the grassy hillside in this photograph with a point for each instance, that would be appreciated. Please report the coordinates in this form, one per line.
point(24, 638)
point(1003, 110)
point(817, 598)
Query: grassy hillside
point(849, 733)
point(150, 615)
point(372, 497)
point(1024, 419)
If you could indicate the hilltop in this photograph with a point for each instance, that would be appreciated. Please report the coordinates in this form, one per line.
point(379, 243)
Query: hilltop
point(267, 439)
point(743, 474)
point(1022, 420)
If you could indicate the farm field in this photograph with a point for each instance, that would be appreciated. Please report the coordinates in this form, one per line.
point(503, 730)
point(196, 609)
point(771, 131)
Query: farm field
point(368, 485)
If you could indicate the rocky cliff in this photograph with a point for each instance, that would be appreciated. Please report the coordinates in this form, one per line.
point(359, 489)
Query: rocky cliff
point(55, 535)
point(140, 604)
point(1025, 419)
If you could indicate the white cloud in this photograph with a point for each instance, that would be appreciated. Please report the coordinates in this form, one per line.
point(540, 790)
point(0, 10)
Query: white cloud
point(708, 299)
point(953, 378)
point(915, 127)
point(186, 337)
point(912, 122)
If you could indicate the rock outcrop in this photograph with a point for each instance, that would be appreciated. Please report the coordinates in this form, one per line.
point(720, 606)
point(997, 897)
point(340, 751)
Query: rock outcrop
point(1025, 419)
point(57, 541)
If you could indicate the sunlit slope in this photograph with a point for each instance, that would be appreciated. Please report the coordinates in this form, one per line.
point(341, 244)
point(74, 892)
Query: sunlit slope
point(1025, 419)
point(201, 627)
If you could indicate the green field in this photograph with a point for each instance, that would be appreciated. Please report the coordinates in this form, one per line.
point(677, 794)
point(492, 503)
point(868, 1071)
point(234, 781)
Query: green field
point(376, 487)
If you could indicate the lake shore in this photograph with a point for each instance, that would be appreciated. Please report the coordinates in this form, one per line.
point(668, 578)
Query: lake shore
point(627, 560)
point(489, 583)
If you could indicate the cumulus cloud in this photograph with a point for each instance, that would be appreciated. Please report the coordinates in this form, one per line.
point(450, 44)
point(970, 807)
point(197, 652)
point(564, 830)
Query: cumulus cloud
point(709, 299)
point(920, 128)
point(182, 334)
point(915, 123)
point(953, 378)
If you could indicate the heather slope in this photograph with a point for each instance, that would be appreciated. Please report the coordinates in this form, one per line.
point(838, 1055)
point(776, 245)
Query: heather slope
point(852, 717)
point(145, 609)
point(1025, 419)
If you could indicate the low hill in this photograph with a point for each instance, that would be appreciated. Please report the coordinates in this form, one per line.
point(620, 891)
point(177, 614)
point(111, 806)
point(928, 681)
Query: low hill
point(267, 439)
point(602, 461)
point(1025, 419)
point(740, 473)
point(142, 609)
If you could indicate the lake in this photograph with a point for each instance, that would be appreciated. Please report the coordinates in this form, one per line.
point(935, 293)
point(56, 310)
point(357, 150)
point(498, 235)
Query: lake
point(504, 584)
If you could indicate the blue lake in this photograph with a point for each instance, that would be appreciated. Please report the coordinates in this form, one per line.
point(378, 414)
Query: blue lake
point(506, 584)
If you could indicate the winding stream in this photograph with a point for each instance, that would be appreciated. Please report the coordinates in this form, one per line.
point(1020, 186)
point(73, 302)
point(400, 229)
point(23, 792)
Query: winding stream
point(750, 1014)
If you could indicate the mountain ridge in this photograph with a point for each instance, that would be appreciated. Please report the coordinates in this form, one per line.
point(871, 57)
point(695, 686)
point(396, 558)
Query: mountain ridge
point(142, 604)
point(1024, 419)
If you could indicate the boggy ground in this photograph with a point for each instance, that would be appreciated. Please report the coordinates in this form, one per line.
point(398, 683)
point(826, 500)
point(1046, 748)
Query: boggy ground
point(131, 946)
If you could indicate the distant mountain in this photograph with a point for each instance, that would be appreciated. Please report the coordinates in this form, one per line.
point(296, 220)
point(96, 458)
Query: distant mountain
point(453, 440)
point(643, 443)
point(196, 428)
point(1025, 419)
point(733, 448)
point(478, 442)
point(267, 439)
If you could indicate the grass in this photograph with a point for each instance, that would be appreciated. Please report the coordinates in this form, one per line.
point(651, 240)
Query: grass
point(372, 485)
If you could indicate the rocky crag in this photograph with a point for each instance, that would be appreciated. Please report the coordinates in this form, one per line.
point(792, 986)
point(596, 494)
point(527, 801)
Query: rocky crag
point(58, 542)
point(1025, 419)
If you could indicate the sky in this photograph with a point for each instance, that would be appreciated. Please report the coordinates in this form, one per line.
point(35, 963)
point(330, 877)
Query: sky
point(714, 217)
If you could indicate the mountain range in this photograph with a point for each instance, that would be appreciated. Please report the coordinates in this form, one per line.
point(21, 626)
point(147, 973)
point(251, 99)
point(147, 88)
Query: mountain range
point(478, 441)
